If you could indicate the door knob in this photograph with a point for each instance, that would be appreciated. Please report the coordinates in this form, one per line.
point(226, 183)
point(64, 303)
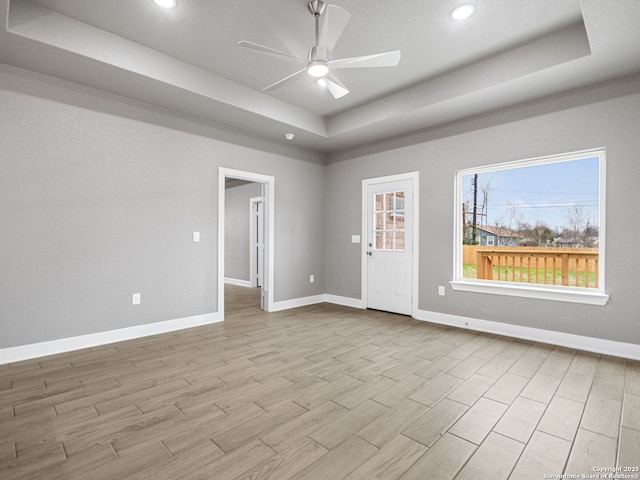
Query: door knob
point(369, 253)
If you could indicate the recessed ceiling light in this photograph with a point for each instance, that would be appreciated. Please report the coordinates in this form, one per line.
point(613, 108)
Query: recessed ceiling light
point(463, 11)
point(289, 136)
point(166, 3)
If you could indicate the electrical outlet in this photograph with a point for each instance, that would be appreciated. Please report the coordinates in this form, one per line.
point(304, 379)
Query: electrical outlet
point(441, 290)
point(135, 299)
point(312, 278)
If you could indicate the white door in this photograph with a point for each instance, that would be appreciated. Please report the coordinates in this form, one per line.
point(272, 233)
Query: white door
point(389, 246)
point(256, 242)
point(259, 242)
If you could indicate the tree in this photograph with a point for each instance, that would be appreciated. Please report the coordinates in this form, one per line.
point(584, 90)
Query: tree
point(467, 227)
point(510, 221)
point(590, 233)
point(576, 222)
point(544, 234)
point(485, 190)
point(536, 235)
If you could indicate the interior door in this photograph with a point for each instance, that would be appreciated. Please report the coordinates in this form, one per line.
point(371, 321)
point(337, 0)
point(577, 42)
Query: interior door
point(259, 242)
point(389, 250)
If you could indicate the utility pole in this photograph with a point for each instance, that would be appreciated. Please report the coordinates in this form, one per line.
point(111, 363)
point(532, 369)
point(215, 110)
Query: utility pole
point(475, 207)
point(485, 204)
point(464, 220)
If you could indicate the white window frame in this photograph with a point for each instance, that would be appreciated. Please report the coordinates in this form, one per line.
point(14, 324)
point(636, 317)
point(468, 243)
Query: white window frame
point(591, 296)
point(493, 241)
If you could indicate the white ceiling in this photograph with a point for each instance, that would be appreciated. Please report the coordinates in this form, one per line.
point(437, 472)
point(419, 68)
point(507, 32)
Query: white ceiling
point(187, 59)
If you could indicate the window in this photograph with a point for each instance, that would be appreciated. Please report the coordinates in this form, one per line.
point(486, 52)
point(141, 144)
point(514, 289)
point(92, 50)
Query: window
point(388, 212)
point(533, 228)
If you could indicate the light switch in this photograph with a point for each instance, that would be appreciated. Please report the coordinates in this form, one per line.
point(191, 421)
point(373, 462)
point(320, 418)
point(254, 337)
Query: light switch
point(355, 238)
point(196, 236)
point(135, 299)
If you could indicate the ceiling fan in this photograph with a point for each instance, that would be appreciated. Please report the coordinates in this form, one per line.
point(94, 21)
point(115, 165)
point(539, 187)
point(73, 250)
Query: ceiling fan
point(330, 22)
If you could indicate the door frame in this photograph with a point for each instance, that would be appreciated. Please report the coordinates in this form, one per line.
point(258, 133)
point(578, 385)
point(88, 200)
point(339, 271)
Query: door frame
point(268, 196)
point(414, 177)
point(254, 228)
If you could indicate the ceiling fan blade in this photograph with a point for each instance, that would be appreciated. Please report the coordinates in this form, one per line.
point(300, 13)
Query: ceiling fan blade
point(385, 59)
point(334, 86)
point(269, 50)
point(332, 23)
point(286, 81)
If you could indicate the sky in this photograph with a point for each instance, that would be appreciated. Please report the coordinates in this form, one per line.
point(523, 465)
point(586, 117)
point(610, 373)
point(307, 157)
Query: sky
point(541, 192)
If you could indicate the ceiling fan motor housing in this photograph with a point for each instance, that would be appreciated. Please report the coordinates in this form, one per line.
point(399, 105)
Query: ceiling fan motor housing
point(317, 7)
point(317, 54)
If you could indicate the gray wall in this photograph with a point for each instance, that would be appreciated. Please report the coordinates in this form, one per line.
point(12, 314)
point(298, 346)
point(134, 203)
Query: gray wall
point(237, 230)
point(99, 196)
point(603, 116)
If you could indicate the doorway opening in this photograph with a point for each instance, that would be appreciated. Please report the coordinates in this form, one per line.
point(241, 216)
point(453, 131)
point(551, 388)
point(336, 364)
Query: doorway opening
point(265, 202)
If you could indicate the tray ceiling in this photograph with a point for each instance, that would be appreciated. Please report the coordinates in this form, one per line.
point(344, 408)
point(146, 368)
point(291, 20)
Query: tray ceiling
point(186, 59)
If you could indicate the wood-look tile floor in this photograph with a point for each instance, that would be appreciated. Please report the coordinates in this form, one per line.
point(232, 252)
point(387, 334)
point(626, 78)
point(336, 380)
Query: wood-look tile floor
point(320, 392)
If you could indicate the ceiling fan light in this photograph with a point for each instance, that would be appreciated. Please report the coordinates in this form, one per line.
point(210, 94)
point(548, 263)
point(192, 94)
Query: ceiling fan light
point(463, 11)
point(166, 3)
point(317, 68)
point(322, 82)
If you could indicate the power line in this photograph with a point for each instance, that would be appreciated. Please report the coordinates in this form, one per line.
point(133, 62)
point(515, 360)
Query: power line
point(585, 203)
point(545, 206)
point(551, 192)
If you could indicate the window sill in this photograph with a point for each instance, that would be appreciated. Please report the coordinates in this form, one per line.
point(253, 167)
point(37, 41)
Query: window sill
point(557, 293)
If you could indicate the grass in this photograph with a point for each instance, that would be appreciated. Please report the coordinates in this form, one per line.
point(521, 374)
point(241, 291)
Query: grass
point(526, 275)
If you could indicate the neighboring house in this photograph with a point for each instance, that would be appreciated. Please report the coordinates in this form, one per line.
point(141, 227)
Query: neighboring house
point(570, 241)
point(495, 236)
point(566, 242)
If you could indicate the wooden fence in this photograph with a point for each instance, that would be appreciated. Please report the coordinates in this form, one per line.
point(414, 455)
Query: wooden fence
point(544, 265)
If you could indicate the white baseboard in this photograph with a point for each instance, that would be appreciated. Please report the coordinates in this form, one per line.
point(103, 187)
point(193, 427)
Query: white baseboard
point(590, 344)
point(240, 283)
point(297, 302)
point(43, 349)
point(345, 301)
